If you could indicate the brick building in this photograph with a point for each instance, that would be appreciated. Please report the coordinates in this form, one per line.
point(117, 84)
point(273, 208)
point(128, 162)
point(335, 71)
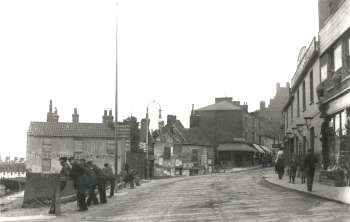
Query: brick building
point(227, 122)
point(50, 140)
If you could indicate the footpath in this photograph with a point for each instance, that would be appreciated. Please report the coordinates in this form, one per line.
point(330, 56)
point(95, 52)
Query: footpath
point(331, 193)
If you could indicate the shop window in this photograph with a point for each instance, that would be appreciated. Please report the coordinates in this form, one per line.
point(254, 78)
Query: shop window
point(337, 124)
point(324, 72)
point(337, 57)
point(344, 118)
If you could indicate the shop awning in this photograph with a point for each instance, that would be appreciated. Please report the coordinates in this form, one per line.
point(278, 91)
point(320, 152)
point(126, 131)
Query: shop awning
point(267, 150)
point(243, 147)
point(258, 148)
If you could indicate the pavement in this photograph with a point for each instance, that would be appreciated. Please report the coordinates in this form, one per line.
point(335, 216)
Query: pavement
point(332, 193)
point(243, 195)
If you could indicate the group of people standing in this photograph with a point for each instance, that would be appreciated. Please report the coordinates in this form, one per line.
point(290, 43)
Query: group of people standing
point(86, 178)
point(305, 167)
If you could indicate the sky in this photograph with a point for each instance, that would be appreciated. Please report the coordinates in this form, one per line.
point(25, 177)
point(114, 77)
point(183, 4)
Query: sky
point(177, 53)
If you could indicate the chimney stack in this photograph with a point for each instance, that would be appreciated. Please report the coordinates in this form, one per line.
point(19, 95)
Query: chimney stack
point(171, 119)
point(262, 105)
point(52, 116)
point(75, 116)
point(108, 120)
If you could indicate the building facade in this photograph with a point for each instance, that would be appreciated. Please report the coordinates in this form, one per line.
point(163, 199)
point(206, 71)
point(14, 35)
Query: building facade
point(229, 122)
point(50, 140)
point(334, 89)
point(180, 151)
point(302, 122)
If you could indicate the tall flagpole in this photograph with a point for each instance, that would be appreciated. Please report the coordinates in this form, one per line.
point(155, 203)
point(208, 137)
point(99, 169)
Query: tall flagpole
point(116, 99)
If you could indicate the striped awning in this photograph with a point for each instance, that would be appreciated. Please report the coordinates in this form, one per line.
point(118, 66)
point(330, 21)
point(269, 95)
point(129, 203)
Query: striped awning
point(243, 147)
point(267, 150)
point(258, 148)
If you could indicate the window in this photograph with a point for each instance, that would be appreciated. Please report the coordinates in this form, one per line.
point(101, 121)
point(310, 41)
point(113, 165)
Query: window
point(311, 79)
point(291, 113)
point(324, 72)
point(287, 119)
point(195, 156)
point(337, 124)
point(304, 96)
point(253, 137)
point(337, 58)
point(298, 104)
point(343, 122)
point(246, 136)
point(177, 148)
point(166, 154)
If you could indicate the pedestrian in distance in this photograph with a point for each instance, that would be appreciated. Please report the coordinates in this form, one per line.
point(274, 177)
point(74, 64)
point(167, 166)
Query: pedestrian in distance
point(310, 162)
point(302, 172)
point(81, 182)
point(101, 181)
point(292, 170)
point(108, 171)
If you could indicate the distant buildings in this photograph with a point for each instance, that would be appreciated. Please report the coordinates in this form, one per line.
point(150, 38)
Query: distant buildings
point(50, 140)
point(232, 131)
point(180, 151)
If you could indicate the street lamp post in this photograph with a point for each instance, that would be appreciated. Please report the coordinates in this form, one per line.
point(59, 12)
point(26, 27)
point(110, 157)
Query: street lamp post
point(147, 130)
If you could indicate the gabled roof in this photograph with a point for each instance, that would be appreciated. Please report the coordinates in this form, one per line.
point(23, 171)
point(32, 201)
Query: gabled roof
point(222, 105)
point(62, 129)
point(192, 136)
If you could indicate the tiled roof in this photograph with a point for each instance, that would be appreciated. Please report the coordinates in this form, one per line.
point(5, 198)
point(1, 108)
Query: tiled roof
point(62, 129)
point(223, 105)
point(192, 136)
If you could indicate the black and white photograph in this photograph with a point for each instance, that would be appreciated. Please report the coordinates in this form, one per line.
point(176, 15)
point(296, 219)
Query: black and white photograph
point(174, 110)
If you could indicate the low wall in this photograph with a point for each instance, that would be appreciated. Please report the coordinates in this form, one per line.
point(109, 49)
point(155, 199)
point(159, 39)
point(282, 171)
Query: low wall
point(39, 189)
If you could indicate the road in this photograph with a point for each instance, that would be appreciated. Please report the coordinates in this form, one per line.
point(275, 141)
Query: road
point(240, 196)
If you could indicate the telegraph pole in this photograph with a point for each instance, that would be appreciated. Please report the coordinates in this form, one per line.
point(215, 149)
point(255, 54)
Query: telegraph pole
point(116, 99)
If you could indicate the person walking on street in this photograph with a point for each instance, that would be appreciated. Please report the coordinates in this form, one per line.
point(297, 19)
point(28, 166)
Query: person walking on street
point(81, 182)
point(310, 161)
point(108, 171)
point(292, 170)
point(101, 181)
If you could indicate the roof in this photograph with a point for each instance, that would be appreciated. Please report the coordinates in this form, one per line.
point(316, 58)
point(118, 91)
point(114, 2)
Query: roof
point(193, 136)
point(62, 129)
point(222, 105)
point(243, 147)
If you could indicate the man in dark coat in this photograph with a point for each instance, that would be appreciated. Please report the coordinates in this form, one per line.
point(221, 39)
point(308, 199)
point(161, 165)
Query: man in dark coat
point(310, 162)
point(101, 181)
point(81, 182)
point(108, 171)
point(63, 178)
point(92, 185)
point(292, 170)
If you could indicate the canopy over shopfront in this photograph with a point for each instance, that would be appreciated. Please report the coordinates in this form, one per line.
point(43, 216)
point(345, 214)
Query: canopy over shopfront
point(267, 150)
point(243, 147)
point(259, 149)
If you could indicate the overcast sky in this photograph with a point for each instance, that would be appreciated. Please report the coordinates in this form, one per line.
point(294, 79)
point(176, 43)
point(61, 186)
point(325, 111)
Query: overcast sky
point(178, 53)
